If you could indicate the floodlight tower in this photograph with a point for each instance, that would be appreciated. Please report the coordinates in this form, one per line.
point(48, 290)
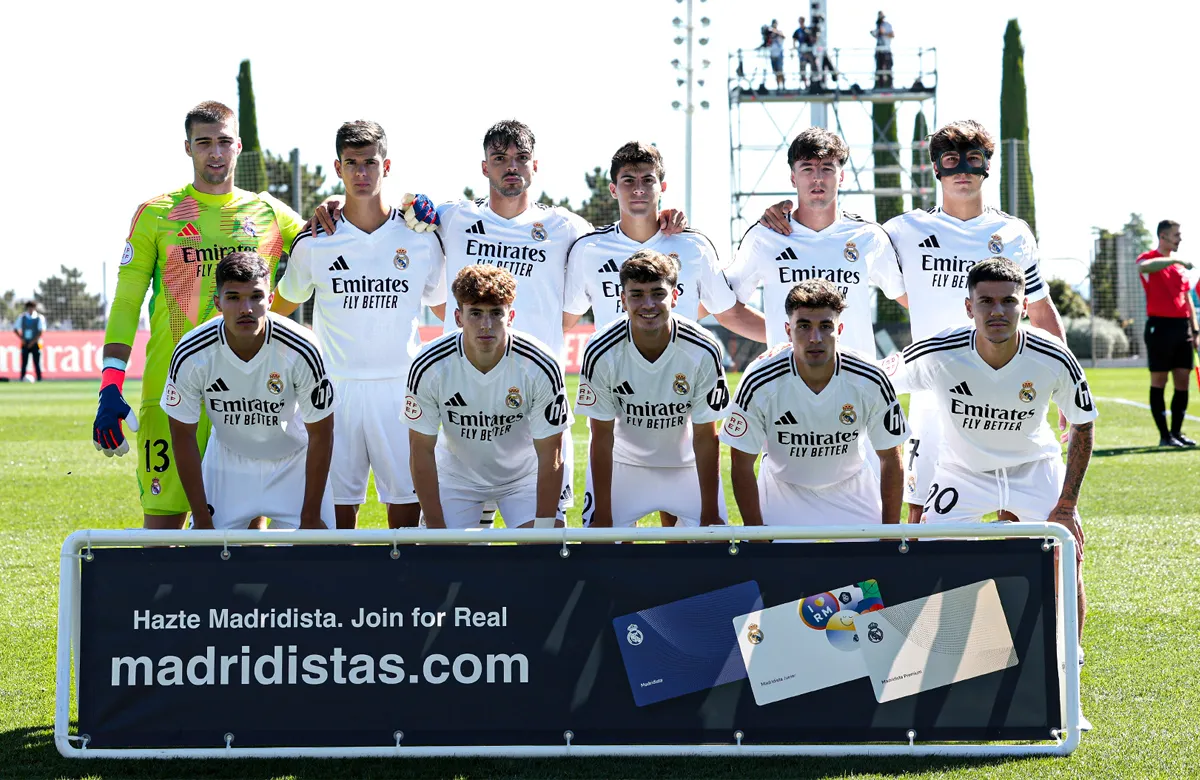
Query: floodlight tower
point(685, 32)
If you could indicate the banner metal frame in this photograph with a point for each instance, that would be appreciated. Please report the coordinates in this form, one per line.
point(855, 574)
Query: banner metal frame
point(77, 551)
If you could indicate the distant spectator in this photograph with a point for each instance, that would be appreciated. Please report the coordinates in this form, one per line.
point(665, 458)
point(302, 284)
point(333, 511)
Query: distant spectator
point(29, 329)
point(883, 51)
point(774, 41)
point(1171, 332)
point(802, 42)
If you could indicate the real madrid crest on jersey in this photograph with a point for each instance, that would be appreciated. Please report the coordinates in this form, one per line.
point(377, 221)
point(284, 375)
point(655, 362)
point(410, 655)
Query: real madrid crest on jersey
point(995, 244)
point(275, 383)
point(754, 634)
point(513, 399)
point(681, 385)
point(155, 487)
point(248, 228)
point(675, 256)
point(850, 252)
point(633, 635)
point(847, 417)
point(400, 260)
point(1027, 393)
point(538, 232)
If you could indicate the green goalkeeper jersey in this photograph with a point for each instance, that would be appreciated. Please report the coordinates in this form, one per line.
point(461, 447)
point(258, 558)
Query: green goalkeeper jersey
point(174, 245)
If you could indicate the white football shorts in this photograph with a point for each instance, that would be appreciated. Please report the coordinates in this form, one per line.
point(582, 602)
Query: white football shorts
point(641, 490)
point(1029, 491)
point(463, 505)
point(920, 450)
point(240, 488)
point(370, 435)
point(853, 501)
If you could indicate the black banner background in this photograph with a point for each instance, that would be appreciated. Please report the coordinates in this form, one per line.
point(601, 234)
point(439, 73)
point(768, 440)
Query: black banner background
point(559, 614)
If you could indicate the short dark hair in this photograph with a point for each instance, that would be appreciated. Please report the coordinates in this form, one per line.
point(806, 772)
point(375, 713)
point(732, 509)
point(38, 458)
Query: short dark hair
point(241, 267)
point(814, 294)
point(30, 304)
point(817, 143)
point(208, 112)
point(359, 133)
point(484, 284)
point(637, 153)
point(1165, 225)
point(647, 266)
point(995, 269)
point(506, 133)
point(958, 135)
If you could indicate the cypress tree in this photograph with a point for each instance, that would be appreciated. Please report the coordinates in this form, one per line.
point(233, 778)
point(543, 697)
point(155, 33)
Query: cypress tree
point(1014, 125)
point(921, 157)
point(251, 171)
point(887, 155)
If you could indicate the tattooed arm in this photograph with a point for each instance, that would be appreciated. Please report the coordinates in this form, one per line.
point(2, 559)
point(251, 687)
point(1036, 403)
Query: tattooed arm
point(1079, 454)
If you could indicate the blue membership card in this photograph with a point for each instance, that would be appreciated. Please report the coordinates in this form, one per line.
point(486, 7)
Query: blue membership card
point(685, 646)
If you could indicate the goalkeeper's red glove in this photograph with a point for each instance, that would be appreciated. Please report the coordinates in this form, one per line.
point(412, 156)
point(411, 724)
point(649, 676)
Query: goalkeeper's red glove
point(112, 409)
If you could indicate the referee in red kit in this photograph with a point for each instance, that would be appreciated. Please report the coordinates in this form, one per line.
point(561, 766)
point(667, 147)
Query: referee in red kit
point(1171, 331)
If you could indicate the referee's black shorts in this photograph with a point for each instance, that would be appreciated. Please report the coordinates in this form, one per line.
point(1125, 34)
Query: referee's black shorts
point(1168, 345)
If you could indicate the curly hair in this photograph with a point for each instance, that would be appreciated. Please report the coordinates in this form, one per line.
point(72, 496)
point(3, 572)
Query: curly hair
point(484, 284)
point(506, 133)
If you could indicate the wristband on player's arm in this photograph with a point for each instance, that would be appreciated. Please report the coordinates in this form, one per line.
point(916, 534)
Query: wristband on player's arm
point(113, 373)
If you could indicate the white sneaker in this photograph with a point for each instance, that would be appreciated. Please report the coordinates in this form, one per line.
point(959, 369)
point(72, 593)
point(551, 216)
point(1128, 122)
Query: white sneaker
point(1084, 723)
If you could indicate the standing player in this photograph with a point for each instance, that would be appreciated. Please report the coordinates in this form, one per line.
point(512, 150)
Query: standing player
point(824, 243)
point(812, 405)
point(638, 180)
point(654, 388)
point(992, 383)
point(499, 398)
point(174, 244)
point(1171, 332)
point(936, 249)
point(370, 279)
point(259, 375)
point(29, 328)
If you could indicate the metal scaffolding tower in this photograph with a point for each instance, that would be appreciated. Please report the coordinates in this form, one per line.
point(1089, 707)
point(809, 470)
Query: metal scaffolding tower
point(819, 83)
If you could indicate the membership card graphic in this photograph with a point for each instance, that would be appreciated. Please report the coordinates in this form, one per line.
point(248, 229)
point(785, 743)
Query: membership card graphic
point(937, 640)
point(807, 644)
point(685, 646)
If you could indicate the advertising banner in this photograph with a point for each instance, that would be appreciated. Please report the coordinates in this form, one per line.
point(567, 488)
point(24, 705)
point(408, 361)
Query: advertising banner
point(78, 354)
point(646, 644)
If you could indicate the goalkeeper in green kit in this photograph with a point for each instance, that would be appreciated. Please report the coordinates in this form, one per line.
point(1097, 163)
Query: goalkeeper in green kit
point(174, 245)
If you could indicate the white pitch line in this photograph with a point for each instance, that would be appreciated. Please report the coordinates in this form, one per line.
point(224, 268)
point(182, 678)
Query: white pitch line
point(1127, 402)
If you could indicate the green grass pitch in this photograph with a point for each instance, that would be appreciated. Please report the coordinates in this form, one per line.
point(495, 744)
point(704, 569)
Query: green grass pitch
point(1141, 509)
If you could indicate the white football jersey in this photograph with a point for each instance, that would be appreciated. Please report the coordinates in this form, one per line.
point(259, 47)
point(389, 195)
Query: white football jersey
point(995, 418)
point(370, 288)
point(655, 403)
point(533, 246)
point(488, 421)
point(811, 439)
point(594, 273)
point(258, 407)
point(849, 253)
point(936, 251)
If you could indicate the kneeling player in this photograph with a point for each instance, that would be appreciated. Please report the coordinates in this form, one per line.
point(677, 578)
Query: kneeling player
point(993, 382)
point(259, 375)
point(653, 385)
point(499, 398)
point(812, 406)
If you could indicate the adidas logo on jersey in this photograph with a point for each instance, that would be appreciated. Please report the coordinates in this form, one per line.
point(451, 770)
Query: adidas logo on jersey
point(623, 389)
point(218, 386)
point(340, 264)
point(961, 389)
point(456, 400)
point(787, 419)
point(786, 255)
point(610, 267)
point(930, 243)
point(477, 228)
point(189, 231)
